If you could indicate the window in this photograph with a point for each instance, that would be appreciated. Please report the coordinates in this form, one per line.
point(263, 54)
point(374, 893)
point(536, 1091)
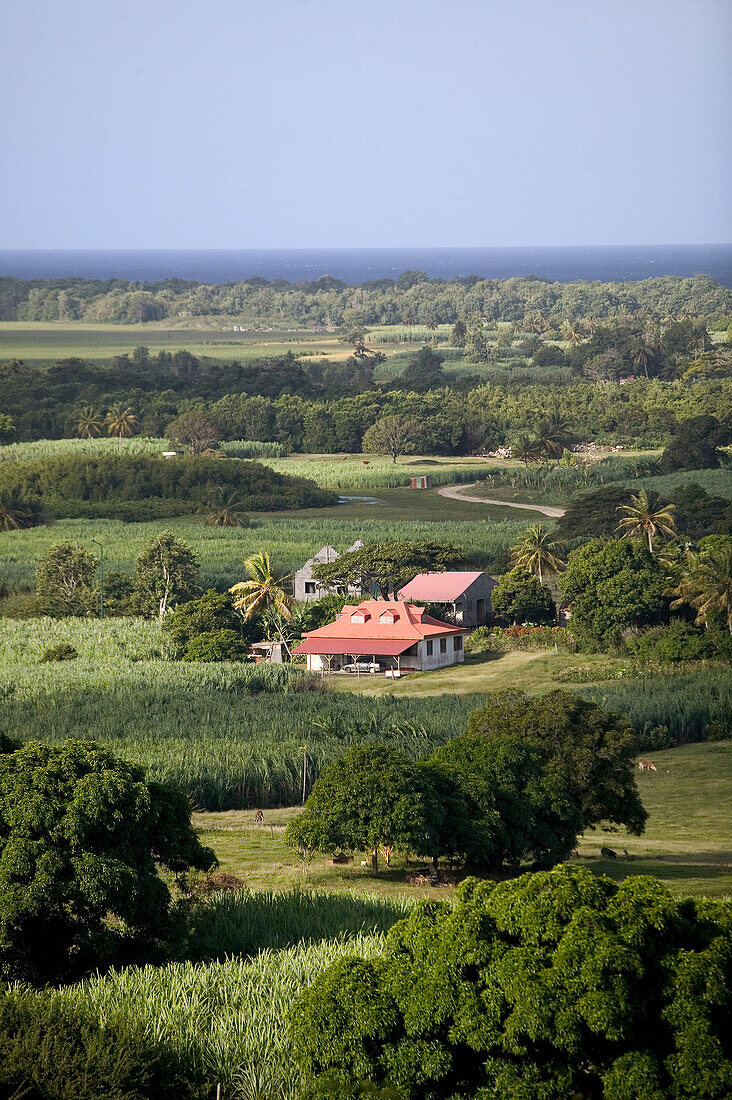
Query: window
point(457, 644)
point(430, 647)
point(309, 588)
point(443, 645)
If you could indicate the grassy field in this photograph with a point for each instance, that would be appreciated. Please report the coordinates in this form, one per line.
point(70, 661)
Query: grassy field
point(687, 843)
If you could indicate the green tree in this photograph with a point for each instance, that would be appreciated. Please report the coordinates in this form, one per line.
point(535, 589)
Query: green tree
point(423, 372)
point(538, 552)
point(225, 509)
point(391, 435)
point(695, 445)
point(706, 582)
point(520, 598)
point(555, 985)
point(458, 333)
point(526, 450)
point(80, 835)
point(122, 422)
point(167, 572)
point(195, 429)
point(646, 518)
point(387, 566)
point(263, 594)
point(17, 512)
point(613, 586)
point(594, 514)
point(63, 579)
point(88, 424)
point(213, 613)
point(590, 751)
point(372, 797)
point(7, 428)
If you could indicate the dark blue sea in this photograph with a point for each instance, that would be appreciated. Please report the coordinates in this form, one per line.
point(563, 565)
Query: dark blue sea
point(616, 263)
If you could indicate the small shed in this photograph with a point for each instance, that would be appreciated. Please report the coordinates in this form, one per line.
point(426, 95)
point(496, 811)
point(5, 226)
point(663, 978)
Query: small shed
point(424, 481)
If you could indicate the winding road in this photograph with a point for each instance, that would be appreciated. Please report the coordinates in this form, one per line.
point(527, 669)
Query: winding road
point(455, 492)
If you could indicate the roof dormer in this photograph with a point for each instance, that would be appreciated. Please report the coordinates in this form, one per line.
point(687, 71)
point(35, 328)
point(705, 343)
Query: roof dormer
point(360, 615)
point(391, 615)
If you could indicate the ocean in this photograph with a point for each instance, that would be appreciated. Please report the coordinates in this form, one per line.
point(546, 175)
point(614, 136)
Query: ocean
point(616, 263)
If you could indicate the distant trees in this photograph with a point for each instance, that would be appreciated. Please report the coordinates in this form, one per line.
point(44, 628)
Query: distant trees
point(122, 422)
point(88, 424)
point(423, 371)
point(391, 435)
point(200, 625)
point(195, 430)
point(695, 445)
point(557, 984)
point(387, 566)
point(80, 835)
point(225, 509)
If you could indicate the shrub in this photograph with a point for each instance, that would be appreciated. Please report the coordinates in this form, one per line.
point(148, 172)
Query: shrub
point(217, 645)
point(519, 598)
point(62, 652)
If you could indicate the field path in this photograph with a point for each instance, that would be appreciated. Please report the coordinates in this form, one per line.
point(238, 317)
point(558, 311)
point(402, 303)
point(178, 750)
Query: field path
point(455, 492)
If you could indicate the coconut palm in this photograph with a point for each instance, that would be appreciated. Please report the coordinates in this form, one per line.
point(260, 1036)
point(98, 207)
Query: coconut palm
point(707, 584)
point(537, 552)
point(88, 425)
point(645, 518)
point(673, 370)
point(572, 332)
point(225, 509)
point(263, 593)
point(17, 512)
point(641, 355)
point(525, 450)
point(121, 421)
point(553, 435)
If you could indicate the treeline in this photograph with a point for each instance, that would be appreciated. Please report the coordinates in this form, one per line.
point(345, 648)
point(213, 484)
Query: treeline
point(413, 298)
point(145, 487)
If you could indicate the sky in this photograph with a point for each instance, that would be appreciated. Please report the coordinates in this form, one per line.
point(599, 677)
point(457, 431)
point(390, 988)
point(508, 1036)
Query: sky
point(357, 123)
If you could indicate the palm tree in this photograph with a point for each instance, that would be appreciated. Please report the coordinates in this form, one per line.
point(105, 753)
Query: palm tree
point(89, 425)
point(225, 509)
point(707, 584)
point(17, 512)
point(121, 421)
point(526, 450)
point(554, 435)
point(263, 593)
point(645, 518)
point(641, 355)
point(572, 332)
point(673, 370)
point(537, 552)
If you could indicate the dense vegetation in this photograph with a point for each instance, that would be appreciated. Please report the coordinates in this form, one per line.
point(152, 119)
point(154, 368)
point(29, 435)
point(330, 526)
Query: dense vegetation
point(413, 298)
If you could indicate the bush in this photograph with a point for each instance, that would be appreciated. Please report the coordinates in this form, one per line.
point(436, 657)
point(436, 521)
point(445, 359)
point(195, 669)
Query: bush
point(680, 641)
point(62, 652)
point(217, 645)
point(52, 1051)
point(519, 598)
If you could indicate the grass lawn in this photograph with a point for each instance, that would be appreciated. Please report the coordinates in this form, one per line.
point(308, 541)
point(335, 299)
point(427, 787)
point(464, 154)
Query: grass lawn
point(687, 843)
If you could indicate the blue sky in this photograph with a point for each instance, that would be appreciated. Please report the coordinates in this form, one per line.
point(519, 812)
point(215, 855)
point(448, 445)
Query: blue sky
point(337, 123)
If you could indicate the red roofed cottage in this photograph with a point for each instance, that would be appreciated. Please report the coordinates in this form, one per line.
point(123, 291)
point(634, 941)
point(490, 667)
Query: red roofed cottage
point(466, 597)
point(390, 636)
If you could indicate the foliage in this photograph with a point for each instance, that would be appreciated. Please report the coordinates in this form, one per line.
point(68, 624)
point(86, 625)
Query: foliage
point(388, 566)
point(591, 751)
point(213, 612)
point(519, 597)
point(645, 518)
point(167, 572)
point(502, 993)
point(680, 641)
point(195, 430)
point(61, 652)
point(102, 484)
point(695, 445)
point(225, 509)
point(80, 835)
point(706, 582)
point(612, 586)
point(391, 435)
point(422, 372)
point(63, 579)
point(538, 552)
point(217, 645)
point(17, 512)
point(52, 1049)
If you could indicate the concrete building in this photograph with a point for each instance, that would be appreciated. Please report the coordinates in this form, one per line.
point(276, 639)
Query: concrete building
point(387, 636)
point(305, 585)
point(465, 597)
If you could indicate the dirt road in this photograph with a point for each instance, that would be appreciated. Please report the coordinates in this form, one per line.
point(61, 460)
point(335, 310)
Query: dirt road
point(456, 492)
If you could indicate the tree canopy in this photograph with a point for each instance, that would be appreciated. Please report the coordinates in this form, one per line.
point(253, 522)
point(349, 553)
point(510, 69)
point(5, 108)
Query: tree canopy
point(557, 984)
point(388, 565)
point(520, 598)
point(80, 835)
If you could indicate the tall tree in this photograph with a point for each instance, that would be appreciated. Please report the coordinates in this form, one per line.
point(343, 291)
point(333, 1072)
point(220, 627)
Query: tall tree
point(194, 429)
point(706, 583)
point(88, 424)
point(167, 573)
point(387, 566)
point(391, 435)
point(122, 422)
point(63, 579)
point(264, 593)
point(526, 450)
point(538, 552)
point(646, 518)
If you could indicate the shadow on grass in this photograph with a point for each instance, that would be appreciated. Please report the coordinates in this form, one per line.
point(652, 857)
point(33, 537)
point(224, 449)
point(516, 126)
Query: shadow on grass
point(665, 868)
point(243, 923)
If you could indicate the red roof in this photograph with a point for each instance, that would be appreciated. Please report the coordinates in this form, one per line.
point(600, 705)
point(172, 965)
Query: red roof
point(438, 587)
point(386, 622)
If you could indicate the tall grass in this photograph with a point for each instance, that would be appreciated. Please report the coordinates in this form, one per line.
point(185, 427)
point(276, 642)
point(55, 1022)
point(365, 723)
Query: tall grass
point(685, 702)
point(378, 472)
point(51, 448)
point(247, 448)
point(228, 1020)
point(291, 540)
